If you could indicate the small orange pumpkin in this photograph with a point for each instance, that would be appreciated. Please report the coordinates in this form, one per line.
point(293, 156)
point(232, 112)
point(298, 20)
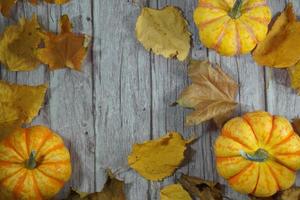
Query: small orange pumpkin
point(34, 164)
point(232, 27)
point(258, 154)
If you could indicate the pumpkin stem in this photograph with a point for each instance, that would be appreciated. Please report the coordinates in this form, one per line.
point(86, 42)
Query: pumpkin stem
point(235, 12)
point(260, 155)
point(31, 162)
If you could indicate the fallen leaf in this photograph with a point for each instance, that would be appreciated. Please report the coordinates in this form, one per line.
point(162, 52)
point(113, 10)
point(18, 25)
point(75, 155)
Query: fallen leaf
point(291, 194)
point(50, 1)
point(281, 48)
point(262, 198)
point(19, 43)
point(203, 189)
point(6, 5)
point(211, 94)
point(19, 104)
point(113, 190)
point(164, 31)
point(294, 73)
point(158, 159)
point(174, 192)
point(66, 49)
point(296, 125)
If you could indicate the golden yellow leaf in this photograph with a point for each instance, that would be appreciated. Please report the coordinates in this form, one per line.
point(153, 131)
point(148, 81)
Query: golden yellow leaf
point(294, 73)
point(203, 189)
point(174, 192)
point(50, 1)
point(6, 5)
point(296, 125)
point(19, 43)
point(19, 104)
point(113, 190)
point(158, 159)
point(211, 95)
point(290, 194)
point(164, 31)
point(66, 49)
point(281, 48)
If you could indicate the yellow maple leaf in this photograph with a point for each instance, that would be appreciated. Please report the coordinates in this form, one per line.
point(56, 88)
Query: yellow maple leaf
point(174, 192)
point(158, 159)
point(5, 6)
point(164, 31)
point(19, 43)
point(19, 104)
point(50, 1)
point(281, 48)
point(211, 95)
point(66, 49)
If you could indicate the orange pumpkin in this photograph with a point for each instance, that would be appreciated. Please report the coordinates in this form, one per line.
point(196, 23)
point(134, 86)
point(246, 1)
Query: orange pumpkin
point(232, 27)
point(258, 153)
point(34, 164)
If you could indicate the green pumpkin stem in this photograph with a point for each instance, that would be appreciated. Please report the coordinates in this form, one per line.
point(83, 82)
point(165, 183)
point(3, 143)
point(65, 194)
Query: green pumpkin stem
point(235, 12)
point(31, 162)
point(260, 155)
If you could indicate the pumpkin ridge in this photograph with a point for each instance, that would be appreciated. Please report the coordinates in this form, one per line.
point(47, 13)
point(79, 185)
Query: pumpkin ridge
point(249, 30)
point(221, 36)
point(272, 130)
point(55, 162)
point(290, 135)
point(255, 5)
point(210, 6)
point(238, 43)
point(257, 179)
point(45, 139)
point(19, 185)
point(281, 154)
point(230, 136)
point(245, 119)
point(56, 147)
point(59, 181)
point(9, 145)
point(36, 187)
point(274, 177)
point(230, 179)
point(208, 22)
point(5, 162)
point(263, 21)
point(10, 175)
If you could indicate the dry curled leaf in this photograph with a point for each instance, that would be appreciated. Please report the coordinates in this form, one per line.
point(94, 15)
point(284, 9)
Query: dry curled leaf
point(66, 49)
point(203, 189)
point(211, 95)
point(58, 2)
point(294, 73)
point(281, 48)
point(113, 190)
point(19, 43)
point(290, 194)
point(158, 159)
point(296, 125)
point(6, 5)
point(174, 192)
point(19, 104)
point(164, 31)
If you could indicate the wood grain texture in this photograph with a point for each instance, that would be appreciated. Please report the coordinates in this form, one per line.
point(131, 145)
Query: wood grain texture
point(124, 93)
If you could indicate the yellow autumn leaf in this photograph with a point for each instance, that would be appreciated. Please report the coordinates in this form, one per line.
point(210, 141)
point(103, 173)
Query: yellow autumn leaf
point(211, 94)
point(66, 49)
point(50, 1)
point(19, 104)
point(158, 159)
point(19, 43)
point(281, 48)
point(5, 6)
point(113, 190)
point(164, 31)
point(294, 73)
point(290, 194)
point(174, 192)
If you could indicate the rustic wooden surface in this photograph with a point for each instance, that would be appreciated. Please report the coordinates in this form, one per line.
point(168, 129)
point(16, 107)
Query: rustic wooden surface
point(124, 92)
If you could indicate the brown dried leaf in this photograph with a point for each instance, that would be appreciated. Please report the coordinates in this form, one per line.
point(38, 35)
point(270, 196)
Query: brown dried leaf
point(291, 194)
point(203, 189)
point(5, 6)
point(294, 73)
point(281, 48)
point(212, 94)
point(296, 125)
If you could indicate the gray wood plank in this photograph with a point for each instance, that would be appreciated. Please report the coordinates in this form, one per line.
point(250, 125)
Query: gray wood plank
point(122, 91)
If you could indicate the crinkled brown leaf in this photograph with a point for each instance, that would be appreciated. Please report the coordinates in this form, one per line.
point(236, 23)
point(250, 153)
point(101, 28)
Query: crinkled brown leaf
point(211, 95)
point(5, 6)
point(158, 159)
point(19, 43)
point(50, 1)
point(113, 190)
point(202, 189)
point(281, 48)
point(66, 49)
point(294, 73)
point(19, 104)
point(164, 31)
point(174, 192)
point(296, 125)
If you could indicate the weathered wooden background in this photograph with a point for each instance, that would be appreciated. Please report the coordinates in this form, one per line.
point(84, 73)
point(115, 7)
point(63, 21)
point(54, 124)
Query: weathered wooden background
point(124, 92)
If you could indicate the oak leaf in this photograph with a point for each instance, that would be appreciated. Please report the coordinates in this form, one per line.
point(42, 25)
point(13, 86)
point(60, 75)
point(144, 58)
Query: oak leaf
point(19, 104)
point(281, 47)
point(113, 190)
point(66, 49)
point(174, 192)
point(19, 43)
point(159, 158)
point(164, 31)
point(211, 94)
point(294, 73)
point(5, 6)
point(202, 189)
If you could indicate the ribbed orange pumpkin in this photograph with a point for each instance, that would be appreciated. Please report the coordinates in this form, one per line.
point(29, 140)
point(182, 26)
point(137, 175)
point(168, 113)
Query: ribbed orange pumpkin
point(232, 27)
point(258, 153)
point(34, 164)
